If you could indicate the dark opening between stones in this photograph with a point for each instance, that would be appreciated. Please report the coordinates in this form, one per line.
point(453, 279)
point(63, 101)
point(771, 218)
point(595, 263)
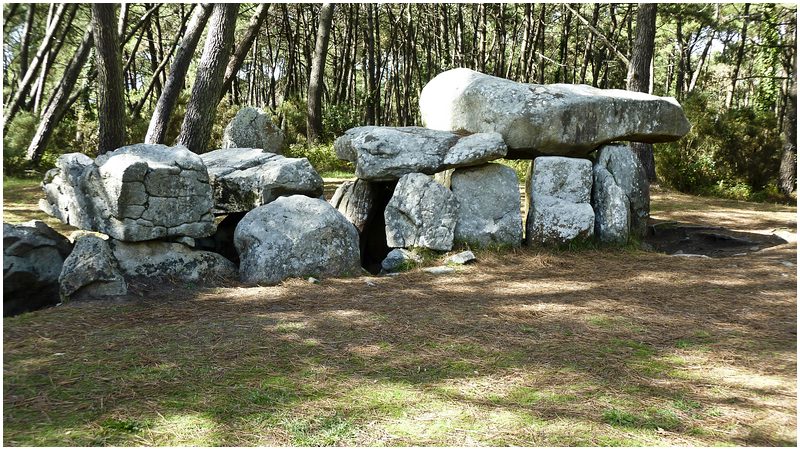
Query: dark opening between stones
point(372, 240)
point(222, 241)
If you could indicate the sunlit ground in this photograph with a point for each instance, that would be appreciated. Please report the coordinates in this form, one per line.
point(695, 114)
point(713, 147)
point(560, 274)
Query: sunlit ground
point(596, 347)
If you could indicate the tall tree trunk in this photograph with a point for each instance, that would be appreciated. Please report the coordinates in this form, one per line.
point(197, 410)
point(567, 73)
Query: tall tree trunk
point(369, 40)
point(47, 64)
point(315, 84)
point(157, 130)
point(639, 73)
point(739, 56)
point(18, 99)
point(27, 33)
point(156, 77)
point(243, 47)
point(54, 112)
point(111, 93)
point(788, 170)
point(202, 107)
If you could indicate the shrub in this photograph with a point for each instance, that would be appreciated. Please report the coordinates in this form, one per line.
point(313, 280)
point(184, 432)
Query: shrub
point(735, 154)
point(321, 156)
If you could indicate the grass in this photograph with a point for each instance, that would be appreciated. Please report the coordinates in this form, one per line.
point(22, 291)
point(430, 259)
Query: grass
point(527, 347)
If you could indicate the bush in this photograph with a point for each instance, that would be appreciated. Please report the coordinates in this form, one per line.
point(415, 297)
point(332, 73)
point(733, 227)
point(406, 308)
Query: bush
point(321, 156)
point(735, 154)
point(16, 141)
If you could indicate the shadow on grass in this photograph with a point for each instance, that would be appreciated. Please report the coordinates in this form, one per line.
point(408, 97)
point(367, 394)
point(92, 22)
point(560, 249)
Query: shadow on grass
point(565, 349)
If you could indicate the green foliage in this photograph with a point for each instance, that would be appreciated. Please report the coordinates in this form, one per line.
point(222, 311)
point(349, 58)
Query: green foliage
point(321, 156)
point(336, 119)
point(16, 141)
point(293, 114)
point(735, 154)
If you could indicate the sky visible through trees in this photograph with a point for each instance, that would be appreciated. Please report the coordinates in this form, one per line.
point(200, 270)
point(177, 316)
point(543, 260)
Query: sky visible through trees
point(732, 66)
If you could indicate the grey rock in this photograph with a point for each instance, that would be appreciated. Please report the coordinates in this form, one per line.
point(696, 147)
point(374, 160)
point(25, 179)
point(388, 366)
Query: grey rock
point(91, 271)
point(295, 236)
point(253, 128)
point(439, 270)
point(558, 203)
point(135, 193)
point(355, 200)
point(399, 259)
point(421, 213)
point(462, 258)
point(386, 153)
point(489, 206)
point(618, 165)
point(171, 260)
point(246, 178)
point(33, 256)
point(555, 119)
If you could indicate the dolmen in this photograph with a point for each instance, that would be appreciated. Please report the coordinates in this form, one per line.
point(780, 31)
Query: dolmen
point(435, 186)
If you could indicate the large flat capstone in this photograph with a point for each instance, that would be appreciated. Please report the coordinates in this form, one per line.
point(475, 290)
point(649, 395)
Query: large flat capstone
point(386, 153)
point(246, 178)
point(554, 119)
point(135, 193)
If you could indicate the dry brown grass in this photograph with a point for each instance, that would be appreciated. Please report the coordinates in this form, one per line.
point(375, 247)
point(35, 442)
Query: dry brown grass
point(610, 347)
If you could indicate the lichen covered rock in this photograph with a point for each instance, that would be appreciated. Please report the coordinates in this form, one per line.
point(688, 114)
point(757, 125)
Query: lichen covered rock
point(553, 119)
point(246, 178)
point(135, 193)
point(295, 236)
point(421, 213)
point(559, 193)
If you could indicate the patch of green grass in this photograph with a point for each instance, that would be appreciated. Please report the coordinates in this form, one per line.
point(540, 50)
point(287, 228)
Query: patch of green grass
point(653, 418)
point(337, 174)
point(123, 425)
point(319, 431)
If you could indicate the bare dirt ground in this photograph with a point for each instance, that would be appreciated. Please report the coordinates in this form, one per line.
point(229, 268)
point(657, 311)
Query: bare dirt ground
point(530, 347)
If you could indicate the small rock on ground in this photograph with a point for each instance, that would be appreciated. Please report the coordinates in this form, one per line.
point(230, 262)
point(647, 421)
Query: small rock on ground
point(461, 258)
point(439, 270)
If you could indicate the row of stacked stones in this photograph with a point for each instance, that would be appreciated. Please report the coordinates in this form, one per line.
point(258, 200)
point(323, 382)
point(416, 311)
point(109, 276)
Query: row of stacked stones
point(156, 211)
point(153, 211)
point(582, 184)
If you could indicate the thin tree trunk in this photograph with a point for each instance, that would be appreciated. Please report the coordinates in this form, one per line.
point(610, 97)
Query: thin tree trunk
point(38, 88)
point(739, 56)
point(639, 74)
point(156, 77)
point(243, 47)
point(111, 94)
point(202, 107)
point(18, 99)
point(787, 176)
point(55, 110)
point(26, 39)
point(157, 130)
point(315, 85)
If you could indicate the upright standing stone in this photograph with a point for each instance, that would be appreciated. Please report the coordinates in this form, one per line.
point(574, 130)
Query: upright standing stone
point(421, 213)
point(620, 194)
point(560, 191)
point(253, 128)
point(488, 206)
point(91, 271)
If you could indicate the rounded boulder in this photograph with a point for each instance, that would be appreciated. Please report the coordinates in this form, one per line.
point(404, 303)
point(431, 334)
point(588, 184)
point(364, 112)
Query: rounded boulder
point(295, 236)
